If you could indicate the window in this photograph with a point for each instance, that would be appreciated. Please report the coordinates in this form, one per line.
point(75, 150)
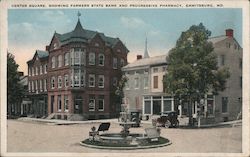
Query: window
point(53, 62)
point(45, 85)
point(59, 82)
point(91, 58)
point(114, 63)
point(77, 77)
point(155, 79)
point(82, 78)
point(59, 103)
point(33, 71)
point(60, 61)
point(55, 45)
point(36, 87)
point(122, 62)
point(240, 81)
point(66, 59)
point(101, 103)
point(29, 86)
point(41, 69)
point(37, 72)
point(101, 59)
point(52, 82)
point(224, 104)
point(41, 85)
point(91, 80)
point(115, 81)
point(29, 72)
point(136, 83)
point(155, 70)
point(147, 106)
point(91, 103)
point(66, 103)
point(167, 105)
point(228, 45)
point(77, 56)
point(101, 81)
point(97, 44)
point(145, 82)
point(45, 68)
point(240, 63)
point(32, 86)
point(66, 80)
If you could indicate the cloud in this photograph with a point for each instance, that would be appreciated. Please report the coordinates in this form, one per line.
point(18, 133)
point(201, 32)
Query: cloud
point(132, 22)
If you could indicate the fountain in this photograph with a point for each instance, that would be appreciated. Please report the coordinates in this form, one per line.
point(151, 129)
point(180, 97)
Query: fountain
point(124, 139)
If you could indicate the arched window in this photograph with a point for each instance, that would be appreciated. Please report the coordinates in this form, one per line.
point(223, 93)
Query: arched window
point(53, 62)
point(66, 59)
point(101, 59)
point(60, 61)
point(91, 58)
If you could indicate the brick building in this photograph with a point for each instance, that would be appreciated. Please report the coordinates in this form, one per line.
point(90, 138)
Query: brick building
point(82, 69)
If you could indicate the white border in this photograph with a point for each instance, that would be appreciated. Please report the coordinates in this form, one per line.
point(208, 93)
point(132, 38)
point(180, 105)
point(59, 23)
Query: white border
point(244, 4)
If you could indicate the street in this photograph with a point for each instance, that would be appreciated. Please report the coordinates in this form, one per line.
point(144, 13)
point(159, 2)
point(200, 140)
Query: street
point(43, 137)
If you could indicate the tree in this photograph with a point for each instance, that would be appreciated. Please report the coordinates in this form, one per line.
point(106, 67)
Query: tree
point(14, 88)
point(119, 89)
point(192, 71)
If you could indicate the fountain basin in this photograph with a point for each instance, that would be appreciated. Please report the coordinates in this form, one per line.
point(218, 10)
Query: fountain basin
point(117, 141)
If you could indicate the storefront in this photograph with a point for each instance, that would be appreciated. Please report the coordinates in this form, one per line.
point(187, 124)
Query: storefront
point(154, 105)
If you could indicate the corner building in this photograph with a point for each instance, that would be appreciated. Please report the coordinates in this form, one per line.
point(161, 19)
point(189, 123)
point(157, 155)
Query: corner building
point(84, 68)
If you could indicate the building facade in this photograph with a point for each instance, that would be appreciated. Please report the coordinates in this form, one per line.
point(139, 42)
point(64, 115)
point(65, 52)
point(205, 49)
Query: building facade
point(145, 93)
point(83, 69)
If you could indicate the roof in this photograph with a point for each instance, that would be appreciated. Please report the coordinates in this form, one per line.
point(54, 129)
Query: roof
point(217, 39)
point(41, 54)
point(83, 35)
point(147, 62)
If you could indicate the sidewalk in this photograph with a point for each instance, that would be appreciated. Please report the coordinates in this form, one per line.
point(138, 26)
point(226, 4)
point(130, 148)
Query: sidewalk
point(64, 122)
point(183, 122)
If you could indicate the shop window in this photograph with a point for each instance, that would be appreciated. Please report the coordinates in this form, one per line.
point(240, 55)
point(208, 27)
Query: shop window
point(147, 107)
point(66, 103)
point(101, 103)
point(167, 105)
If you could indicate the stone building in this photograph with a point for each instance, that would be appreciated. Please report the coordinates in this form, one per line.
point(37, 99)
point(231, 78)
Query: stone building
point(144, 90)
point(83, 69)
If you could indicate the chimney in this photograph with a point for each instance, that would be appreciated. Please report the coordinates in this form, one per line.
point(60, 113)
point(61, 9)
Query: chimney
point(47, 48)
point(229, 33)
point(139, 57)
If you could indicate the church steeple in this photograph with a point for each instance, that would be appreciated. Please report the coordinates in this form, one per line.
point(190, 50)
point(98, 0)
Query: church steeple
point(146, 49)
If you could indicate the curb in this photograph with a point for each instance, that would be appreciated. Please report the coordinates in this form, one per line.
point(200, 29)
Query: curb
point(125, 148)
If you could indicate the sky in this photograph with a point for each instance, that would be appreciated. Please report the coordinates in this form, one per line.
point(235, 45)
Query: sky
point(32, 29)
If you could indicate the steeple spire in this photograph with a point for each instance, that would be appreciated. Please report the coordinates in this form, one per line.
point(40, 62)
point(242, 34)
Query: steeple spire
point(78, 14)
point(146, 49)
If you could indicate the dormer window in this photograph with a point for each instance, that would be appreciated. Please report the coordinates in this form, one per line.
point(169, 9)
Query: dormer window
point(55, 46)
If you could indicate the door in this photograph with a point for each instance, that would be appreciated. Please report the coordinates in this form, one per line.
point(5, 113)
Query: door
point(78, 104)
point(157, 107)
point(52, 104)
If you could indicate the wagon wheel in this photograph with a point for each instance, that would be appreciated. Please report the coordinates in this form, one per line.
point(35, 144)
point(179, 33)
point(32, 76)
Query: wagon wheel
point(167, 124)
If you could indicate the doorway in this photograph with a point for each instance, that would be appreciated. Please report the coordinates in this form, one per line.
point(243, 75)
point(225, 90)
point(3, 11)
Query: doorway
point(78, 104)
